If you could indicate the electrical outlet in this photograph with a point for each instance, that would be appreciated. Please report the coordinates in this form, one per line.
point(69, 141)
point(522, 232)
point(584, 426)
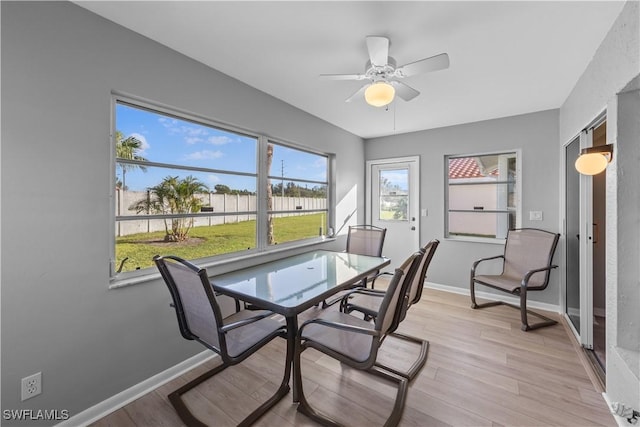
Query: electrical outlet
point(31, 386)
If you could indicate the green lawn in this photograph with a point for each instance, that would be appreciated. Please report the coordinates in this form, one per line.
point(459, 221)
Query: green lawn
point(212, 240)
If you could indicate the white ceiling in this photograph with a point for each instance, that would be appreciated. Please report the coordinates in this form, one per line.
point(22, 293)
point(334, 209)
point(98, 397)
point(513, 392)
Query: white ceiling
point(507, 58)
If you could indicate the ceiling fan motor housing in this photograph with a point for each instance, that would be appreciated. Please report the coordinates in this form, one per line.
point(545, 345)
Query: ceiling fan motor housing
point(377, 73)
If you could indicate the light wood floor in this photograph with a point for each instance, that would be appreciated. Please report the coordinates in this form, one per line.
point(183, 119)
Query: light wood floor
point(481, 371)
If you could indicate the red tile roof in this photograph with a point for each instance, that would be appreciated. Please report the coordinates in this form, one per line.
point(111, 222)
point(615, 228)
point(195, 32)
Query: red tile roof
point(465, 167)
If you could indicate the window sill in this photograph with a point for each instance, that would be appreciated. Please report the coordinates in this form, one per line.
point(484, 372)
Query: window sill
point(117, 282)
point(492, 241)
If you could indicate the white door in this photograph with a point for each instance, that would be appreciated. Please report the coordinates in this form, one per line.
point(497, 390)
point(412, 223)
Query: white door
point(393, 203)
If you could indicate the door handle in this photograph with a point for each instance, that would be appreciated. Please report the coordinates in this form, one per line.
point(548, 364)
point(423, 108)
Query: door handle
point(596, 233)
point(413, 228)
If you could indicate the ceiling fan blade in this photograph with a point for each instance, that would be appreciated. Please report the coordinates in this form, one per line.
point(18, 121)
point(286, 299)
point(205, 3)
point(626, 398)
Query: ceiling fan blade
point(404, 91)
point(378, 48)
point(434, 63)
point(342, 76)
point(358, 94)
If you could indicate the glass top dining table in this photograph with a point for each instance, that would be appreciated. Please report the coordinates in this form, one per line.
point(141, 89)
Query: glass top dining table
point(291, 285)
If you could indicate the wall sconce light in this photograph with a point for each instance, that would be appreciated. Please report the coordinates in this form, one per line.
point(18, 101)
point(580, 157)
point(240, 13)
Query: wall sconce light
point(594, 160)
point(379, 94)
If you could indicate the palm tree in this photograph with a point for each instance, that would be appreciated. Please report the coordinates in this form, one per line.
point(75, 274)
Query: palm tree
point(174, 196)
point(270, 237)
point(128, 148)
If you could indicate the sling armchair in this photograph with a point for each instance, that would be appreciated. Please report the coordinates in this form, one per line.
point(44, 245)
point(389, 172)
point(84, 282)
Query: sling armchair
point(367, 302)
point(234, 338)
point(362, 240)
point(366, 240)
point(355, 342)
point(526, 264)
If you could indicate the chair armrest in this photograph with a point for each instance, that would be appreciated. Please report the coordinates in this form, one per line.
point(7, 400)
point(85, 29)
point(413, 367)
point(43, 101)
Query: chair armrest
point(243, 322)
point(527, 276)
point(365, 291)
point(475, 264)
point(341, 326)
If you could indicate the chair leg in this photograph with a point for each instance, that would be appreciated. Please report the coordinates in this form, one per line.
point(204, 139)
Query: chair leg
point(420, 361)
point(474, 303)
point(546, 321)
point(191, 421)
point(523, 314)
point(305, 408)
point(303, 405)
point(178, 404)
point(401, 395)
point(472, 292)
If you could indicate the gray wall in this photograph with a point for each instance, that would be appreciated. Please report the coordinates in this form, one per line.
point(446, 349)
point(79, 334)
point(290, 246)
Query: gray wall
point(535, 134)
point(59, 66)
point(615, 65)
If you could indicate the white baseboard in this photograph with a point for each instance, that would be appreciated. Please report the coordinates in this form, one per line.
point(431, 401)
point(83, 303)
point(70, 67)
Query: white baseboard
point(116, 402)
point(495, 297)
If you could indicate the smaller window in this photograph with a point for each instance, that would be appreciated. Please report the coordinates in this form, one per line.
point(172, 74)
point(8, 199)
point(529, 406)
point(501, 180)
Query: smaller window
point(482, 195)
point(297, 194)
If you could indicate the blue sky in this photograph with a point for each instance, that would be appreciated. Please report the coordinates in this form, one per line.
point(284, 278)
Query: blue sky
point(169, 140)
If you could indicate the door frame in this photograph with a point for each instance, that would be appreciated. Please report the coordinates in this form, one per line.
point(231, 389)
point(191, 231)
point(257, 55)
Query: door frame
point(585, 336)
point(414, 189)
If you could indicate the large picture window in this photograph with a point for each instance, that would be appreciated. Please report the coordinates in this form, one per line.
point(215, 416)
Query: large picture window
point(190, 188)
point(482, 195)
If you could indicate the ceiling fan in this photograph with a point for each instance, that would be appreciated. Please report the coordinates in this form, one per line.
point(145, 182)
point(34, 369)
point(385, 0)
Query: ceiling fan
point(383, 74)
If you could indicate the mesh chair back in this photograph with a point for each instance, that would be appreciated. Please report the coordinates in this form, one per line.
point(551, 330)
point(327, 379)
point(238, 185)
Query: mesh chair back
point(365, 240)
point(198, 312)
point(394, 301)
point(418, 281)
point(527, 249)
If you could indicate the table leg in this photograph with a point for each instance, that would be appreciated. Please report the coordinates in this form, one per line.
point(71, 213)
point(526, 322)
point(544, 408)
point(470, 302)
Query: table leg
point(292, 331)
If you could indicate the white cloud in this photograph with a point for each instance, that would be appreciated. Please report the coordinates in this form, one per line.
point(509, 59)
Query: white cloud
point(192, 140)
point(194, 131)
point(219, 140)
point(144, 146)
point(204, 155)
point(213, 179)
point(170, 124)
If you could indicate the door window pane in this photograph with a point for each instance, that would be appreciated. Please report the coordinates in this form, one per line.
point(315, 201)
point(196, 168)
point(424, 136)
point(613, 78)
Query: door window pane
point(394, 195)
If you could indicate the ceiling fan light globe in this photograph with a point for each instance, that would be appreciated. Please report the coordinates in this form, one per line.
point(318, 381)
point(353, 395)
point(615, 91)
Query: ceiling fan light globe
point(379, 94)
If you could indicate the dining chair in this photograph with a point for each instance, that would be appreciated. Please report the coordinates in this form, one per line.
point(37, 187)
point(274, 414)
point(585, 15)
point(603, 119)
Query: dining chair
point(355, 342)
point(367, 301)
point(362, 240)
point(526, 264)
point(366, 240)
point(233, 338)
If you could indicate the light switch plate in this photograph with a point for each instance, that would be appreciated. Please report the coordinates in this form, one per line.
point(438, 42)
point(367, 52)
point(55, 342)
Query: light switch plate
point(535, 215)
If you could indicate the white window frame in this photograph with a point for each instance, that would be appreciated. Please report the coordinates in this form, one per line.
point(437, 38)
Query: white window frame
point(138, 276)
point(518, 197)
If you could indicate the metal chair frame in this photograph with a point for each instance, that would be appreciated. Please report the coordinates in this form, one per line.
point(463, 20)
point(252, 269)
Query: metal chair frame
point(349, 305)
point(222, 329)
point(378, 333)
point(524, 288)
point(376, 250)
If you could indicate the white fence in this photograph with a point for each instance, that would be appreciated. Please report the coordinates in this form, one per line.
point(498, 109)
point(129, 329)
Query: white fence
point(229, 204)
